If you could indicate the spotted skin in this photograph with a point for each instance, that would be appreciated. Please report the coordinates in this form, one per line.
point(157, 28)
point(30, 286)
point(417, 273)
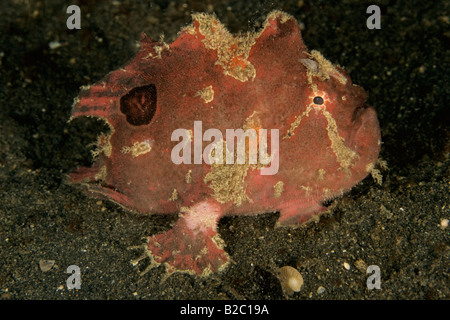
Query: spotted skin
point(328, 141)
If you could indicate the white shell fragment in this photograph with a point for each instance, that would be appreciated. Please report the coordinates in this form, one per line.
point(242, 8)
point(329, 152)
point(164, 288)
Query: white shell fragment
point(291, 280)
point(46, 265)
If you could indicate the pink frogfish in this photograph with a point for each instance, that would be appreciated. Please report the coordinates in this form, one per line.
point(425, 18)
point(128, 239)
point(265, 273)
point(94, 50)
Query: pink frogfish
point(217, 124)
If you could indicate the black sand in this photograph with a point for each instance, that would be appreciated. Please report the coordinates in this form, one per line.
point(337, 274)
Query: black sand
point(404, 67)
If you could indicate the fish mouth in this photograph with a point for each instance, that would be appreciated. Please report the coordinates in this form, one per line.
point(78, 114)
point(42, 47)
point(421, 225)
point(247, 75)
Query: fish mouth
point(366, 129)
point(365, 121)
point(359, 111)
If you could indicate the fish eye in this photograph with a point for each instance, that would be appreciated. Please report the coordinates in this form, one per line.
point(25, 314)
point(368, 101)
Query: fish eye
point(318, 100)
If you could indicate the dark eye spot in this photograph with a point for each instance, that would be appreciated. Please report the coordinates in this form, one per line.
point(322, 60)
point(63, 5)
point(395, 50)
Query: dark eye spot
point(139, 105)
point(318, 100)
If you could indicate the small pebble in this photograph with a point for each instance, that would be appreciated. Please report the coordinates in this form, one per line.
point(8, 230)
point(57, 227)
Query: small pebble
point(361, 265)
point(346, 266)
point(320, 290)
point(444, 223)
point(46, 265)
point(54, 45)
